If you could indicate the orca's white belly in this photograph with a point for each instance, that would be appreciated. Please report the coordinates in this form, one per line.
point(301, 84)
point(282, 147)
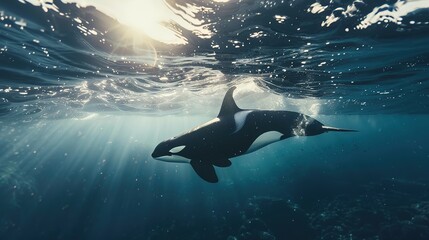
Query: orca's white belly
point(264, 140)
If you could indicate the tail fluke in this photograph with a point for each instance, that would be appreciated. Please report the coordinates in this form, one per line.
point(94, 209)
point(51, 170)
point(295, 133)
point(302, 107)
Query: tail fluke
point(332, 129)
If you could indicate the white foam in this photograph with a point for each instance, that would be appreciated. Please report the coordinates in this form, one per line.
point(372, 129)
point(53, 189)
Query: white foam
point(392, 13)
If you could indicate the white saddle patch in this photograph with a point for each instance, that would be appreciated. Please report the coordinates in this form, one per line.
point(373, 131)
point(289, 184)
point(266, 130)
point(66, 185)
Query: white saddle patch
point(264, 140)
point(240, 120)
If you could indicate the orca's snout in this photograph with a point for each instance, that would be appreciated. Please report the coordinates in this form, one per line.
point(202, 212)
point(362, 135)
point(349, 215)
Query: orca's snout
point(160, 151)
point(157, 151)
point(157, 154)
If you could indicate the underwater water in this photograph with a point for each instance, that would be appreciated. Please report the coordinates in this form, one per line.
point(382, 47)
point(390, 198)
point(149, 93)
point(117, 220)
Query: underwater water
point(86, 95)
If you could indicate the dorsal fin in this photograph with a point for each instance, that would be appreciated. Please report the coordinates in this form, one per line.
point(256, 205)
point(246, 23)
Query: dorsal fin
point(229, 107)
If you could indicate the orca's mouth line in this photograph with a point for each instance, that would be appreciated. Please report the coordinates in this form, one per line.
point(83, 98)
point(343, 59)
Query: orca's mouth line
point(169, 154)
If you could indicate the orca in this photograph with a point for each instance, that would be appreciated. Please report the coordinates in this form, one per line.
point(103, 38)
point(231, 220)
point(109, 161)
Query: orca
point(235, 132)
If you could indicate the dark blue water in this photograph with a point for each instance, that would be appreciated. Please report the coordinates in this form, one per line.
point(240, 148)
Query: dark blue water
point(84, 99)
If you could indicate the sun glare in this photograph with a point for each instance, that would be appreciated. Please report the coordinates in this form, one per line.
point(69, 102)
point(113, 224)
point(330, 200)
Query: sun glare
point(147, 16)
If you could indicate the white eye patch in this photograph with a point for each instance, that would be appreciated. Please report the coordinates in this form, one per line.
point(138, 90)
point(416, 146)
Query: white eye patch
point(177, 149)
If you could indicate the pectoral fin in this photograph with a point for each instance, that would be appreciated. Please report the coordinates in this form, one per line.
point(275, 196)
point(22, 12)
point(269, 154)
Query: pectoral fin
point(222, 162)
point(205, 171)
